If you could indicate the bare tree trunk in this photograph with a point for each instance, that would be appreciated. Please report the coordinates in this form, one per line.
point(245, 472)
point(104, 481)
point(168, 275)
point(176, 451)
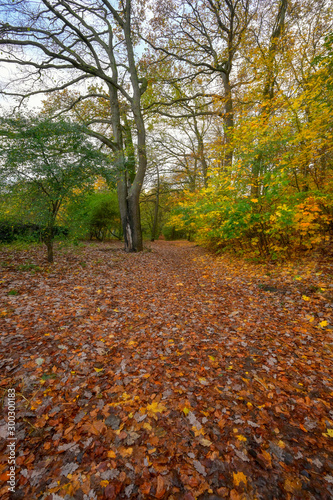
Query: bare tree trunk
point(157, 201)
point(228, 120)
point(49, 251)
point(268, 92)
point(47, 238)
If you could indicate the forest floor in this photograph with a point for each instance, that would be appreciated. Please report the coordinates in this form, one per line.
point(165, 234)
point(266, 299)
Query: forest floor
point(169, 374)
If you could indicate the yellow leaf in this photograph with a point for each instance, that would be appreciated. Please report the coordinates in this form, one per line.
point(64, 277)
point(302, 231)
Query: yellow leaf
point(254, 200)
point(125, 452)
point(212, 358)
point(156, 408)
point(98, 369)
point(99, 291)
point(197, 432)
point(186, 411)
point(147, 426)
point(204, 442)
point(304, 297)
point(179, 284)
point(239, 477)
point(323, 324)
point(292, 485)
point(103, 483)
point(241, 438)
point(98, 309)
point(111, 454)
point(203, 381)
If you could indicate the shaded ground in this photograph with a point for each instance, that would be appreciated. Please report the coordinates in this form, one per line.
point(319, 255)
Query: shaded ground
point(170, 374)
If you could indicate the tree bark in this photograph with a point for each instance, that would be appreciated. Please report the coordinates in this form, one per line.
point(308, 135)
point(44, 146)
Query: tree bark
point(157, 201)
point(47, 238)
point(228, 120)
point(49, 251)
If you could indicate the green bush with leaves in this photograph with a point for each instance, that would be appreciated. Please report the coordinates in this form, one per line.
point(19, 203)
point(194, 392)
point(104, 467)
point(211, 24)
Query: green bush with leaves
point(43, 166)
point(96, 216)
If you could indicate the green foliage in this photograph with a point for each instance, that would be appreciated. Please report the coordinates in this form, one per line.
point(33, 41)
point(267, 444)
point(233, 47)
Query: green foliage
point(152, 221)
point(96, 216)
point(45, 165)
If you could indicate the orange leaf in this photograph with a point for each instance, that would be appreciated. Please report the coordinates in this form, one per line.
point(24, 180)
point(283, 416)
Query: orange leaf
point(145, 488)
point(160, 487)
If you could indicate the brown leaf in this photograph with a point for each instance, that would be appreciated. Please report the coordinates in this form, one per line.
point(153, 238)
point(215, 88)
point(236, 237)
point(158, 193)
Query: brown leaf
point(160, 490)
point(95, 427)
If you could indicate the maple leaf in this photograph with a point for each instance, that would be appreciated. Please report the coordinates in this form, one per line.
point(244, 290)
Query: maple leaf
point(125, 452)
point(155, 407)
point(95, 427)
point(239, 477)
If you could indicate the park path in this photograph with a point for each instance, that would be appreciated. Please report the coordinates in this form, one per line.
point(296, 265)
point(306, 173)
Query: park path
point(169, 374)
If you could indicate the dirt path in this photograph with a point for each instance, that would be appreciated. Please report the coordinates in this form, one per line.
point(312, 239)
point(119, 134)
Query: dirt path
point(170, 374)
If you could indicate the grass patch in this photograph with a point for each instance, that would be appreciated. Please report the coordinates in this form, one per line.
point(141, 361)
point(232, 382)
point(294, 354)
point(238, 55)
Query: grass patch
point(29, 267)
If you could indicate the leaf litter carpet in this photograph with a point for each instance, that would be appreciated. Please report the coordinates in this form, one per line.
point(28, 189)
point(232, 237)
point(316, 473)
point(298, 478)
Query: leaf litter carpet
point(170, 374)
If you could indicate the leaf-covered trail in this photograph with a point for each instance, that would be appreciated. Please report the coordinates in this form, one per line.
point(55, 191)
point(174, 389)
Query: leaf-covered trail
point(169, 374)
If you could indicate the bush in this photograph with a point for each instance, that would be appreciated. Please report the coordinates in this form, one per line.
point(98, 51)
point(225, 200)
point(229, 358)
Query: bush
point(13, 231)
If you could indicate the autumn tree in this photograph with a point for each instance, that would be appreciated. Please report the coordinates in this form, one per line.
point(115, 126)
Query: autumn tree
point(69, 45)
point(204, 38)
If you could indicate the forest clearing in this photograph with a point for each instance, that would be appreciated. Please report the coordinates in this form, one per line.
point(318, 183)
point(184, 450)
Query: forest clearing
point(169, 374)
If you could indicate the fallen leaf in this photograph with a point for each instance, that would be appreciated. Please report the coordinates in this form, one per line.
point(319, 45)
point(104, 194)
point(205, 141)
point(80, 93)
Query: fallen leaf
point(239, 477)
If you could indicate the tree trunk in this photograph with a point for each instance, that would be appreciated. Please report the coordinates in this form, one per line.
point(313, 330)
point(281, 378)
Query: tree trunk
point(130, 217)
point(228, 120)
point(47, 238)
point(157, 201)
point(49, 245)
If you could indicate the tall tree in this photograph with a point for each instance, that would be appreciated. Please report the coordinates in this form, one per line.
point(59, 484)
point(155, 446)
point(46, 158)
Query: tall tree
point(205, 36)
point(70, 44)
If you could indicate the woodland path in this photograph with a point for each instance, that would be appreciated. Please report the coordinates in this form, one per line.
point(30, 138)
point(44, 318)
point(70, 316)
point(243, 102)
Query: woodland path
point(170, 374)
